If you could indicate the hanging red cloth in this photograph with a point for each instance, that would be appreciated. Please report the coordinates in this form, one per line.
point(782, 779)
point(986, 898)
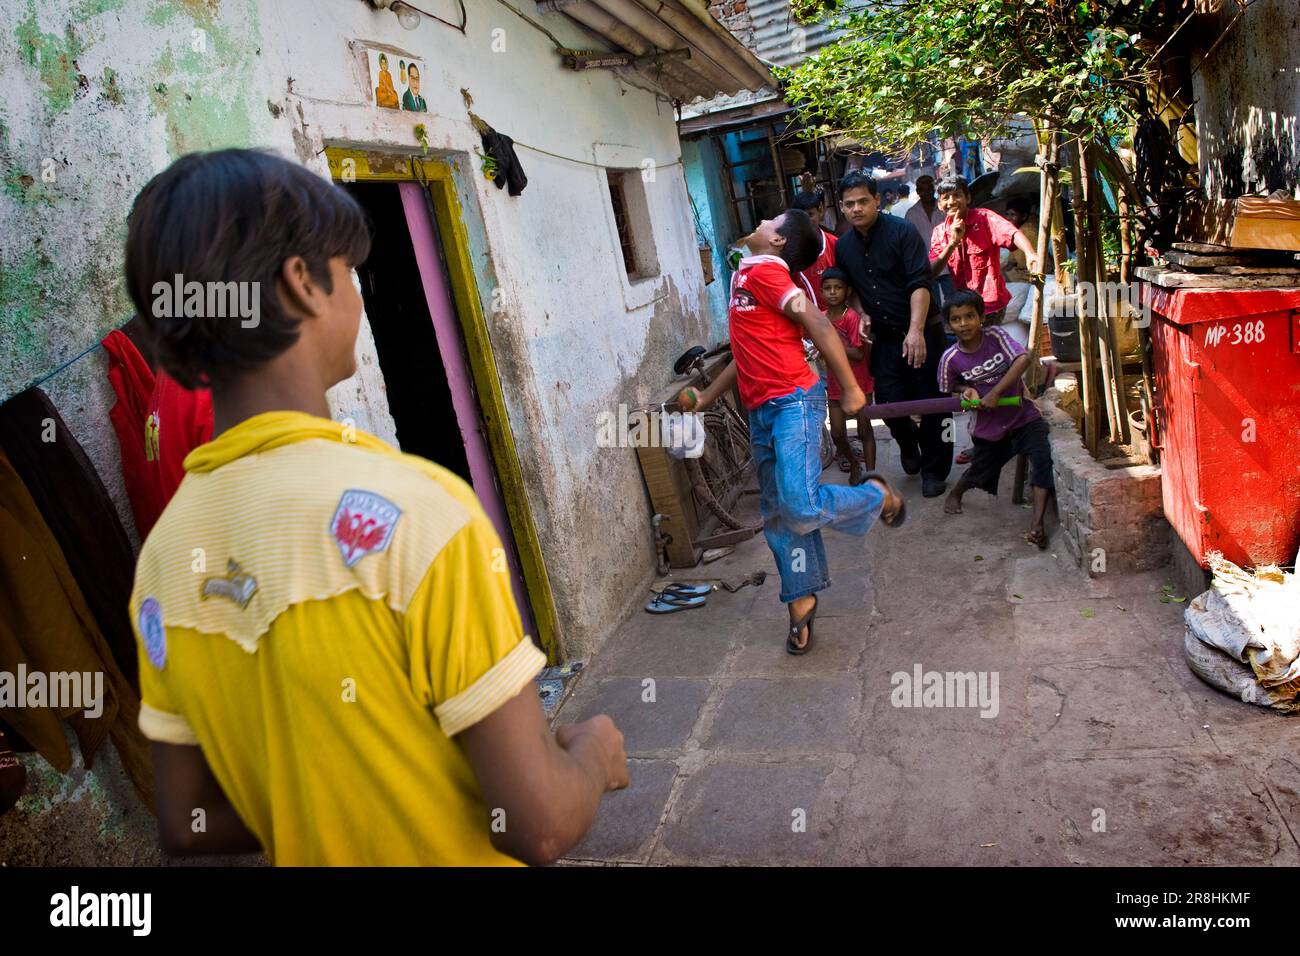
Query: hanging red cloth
point(158, 423)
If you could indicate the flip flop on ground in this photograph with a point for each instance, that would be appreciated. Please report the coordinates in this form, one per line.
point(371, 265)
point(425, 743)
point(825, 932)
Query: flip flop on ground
point(681, 589)
point(671, 603)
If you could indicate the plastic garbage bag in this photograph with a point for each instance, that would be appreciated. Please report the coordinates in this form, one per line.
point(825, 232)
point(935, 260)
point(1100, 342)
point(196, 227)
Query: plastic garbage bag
point(682, 434)
point(1243, 635)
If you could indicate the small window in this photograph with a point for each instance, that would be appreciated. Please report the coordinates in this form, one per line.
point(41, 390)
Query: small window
point(627, 195)
point(625, 240)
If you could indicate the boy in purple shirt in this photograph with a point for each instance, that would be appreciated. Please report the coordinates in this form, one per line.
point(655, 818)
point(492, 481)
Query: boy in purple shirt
point(986, 364)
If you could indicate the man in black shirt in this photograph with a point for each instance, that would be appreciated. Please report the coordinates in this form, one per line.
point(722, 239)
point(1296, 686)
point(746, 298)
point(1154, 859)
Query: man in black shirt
point(889, 269)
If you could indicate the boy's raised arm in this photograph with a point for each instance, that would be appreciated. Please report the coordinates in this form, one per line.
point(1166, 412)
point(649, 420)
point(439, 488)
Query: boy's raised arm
point(800, 310)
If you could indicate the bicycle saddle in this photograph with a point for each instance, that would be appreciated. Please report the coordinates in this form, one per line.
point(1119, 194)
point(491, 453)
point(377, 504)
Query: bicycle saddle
point(687, 359)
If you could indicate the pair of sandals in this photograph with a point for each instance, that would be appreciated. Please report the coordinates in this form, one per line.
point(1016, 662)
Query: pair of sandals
point(893, 521)
point(678, 597)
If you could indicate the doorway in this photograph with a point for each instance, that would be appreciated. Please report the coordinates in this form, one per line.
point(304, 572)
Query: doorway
point(431, 354)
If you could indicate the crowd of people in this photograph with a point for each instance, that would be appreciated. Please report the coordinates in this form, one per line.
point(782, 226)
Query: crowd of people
point(899, 310)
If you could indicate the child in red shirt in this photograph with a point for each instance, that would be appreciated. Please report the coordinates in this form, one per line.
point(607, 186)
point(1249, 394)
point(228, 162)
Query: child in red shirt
point(851, 327)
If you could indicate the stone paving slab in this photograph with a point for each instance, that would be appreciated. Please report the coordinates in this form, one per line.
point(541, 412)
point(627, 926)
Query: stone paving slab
point(753, 812)
point(793, 715)
point(1166, 811)
point(625, 829)
point(654, 714)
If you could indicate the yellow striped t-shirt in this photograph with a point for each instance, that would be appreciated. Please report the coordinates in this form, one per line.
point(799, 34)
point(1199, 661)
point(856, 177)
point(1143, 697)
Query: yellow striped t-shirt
point(322, 614)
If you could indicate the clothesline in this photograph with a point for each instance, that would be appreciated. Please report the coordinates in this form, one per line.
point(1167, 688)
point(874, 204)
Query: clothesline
point(583, 162)
point(49, 375)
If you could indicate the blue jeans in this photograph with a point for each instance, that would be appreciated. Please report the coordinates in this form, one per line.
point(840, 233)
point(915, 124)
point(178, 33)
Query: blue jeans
point(786, 435)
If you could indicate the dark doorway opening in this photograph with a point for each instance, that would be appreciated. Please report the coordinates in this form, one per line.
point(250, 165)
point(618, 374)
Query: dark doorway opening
point(419, 397)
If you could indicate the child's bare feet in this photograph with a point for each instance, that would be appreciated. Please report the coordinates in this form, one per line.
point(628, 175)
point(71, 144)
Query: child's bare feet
point(952, 504)
point(1037, 535)
point(858, 474)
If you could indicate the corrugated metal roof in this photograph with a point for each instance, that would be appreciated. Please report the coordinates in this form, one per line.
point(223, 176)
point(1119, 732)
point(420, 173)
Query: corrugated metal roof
point(779, 38)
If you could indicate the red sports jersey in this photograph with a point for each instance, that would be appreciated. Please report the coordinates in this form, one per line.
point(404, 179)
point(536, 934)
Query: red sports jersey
point(848, 327)
point(767, 347)
point(813, 274)
point(975, 263)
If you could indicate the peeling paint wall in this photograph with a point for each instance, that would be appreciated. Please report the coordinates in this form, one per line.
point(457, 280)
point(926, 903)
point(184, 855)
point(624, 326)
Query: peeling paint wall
point(102, 94)
point(1248, 101)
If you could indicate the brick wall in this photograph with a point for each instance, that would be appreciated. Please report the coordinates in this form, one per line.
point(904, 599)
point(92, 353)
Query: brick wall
point(1111, 518)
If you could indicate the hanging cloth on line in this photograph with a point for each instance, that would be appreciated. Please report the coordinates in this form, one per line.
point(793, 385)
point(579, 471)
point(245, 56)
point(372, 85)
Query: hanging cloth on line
point(158, 423)
point(47, 627)
point(509, 171)
point(75, 507)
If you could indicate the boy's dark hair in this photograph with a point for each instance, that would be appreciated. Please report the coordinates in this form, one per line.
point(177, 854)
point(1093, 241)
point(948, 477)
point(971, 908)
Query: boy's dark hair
point(904, 190)
point(233, 216)
point(1020, 204)
point(808, 200)
point(803, 240)
point(856, 180)
point(964, 297)
point(834, 272)
point(952, 184)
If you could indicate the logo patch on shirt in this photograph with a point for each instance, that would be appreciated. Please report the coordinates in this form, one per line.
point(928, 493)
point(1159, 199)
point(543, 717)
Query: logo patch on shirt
point(152, 632)
point(363, 523)
point(236, 585)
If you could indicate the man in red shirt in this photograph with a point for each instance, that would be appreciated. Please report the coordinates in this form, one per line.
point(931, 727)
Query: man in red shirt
point(770, 315)
point(968, 243)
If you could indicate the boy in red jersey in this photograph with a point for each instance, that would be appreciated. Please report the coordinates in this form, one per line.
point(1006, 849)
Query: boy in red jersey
point(771, 313)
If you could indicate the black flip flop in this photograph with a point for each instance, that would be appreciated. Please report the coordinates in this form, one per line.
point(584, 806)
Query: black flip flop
point(901, 514)
point(790, 646)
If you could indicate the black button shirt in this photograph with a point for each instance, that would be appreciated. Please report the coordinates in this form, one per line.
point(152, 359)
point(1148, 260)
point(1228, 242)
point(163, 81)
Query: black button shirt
point(885, 267)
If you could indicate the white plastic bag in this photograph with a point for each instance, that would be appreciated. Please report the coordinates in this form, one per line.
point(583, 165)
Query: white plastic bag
point(682, 434)
point(1243, 635)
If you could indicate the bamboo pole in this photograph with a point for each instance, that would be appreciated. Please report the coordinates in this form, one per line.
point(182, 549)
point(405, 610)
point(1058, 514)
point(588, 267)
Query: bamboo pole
point(1112, 362)
point(1047, 153)
point(1083, 269)
point(1125, 194)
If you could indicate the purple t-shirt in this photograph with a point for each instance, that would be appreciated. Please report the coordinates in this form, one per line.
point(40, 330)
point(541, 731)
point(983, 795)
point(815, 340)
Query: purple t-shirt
point(982, 369)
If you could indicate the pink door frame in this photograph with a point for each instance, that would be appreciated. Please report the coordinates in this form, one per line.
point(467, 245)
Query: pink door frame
point(446, 326)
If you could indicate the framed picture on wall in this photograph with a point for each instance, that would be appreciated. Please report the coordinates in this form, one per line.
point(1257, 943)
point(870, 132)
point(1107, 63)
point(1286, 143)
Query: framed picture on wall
point(395, 81)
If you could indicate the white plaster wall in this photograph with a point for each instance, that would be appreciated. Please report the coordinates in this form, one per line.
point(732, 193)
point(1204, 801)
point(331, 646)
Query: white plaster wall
point(571, 338)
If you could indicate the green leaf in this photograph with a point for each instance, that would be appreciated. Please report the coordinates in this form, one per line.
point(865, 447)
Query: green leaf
point(1089, 612)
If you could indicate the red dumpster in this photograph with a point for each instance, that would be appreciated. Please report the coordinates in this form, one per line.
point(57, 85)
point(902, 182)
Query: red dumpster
point(1227, 366)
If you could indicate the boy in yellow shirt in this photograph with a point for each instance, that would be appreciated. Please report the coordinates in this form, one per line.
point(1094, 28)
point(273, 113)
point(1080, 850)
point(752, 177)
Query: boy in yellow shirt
point(333, 669)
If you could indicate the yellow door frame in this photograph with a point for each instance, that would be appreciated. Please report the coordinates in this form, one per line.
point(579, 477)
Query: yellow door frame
point(436, 175)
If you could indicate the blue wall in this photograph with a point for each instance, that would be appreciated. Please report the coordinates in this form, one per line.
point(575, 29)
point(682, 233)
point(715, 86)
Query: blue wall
point(708, 194)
